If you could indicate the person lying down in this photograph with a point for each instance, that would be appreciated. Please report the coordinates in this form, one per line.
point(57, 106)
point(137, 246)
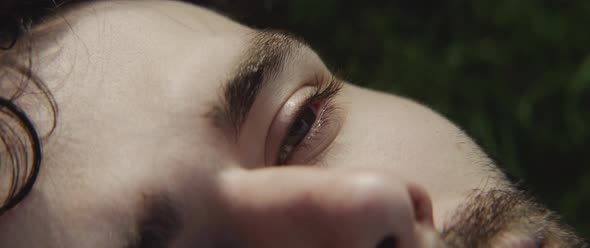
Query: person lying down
point(152, 124)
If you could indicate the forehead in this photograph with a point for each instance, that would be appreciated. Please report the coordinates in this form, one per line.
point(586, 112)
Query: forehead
point(131, 37)
point(127, 49)
point(130, 77)
point(152, 14)
point(119, 65)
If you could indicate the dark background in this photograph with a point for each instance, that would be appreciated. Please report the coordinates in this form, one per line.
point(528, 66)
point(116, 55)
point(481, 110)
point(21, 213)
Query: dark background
point(514, 74)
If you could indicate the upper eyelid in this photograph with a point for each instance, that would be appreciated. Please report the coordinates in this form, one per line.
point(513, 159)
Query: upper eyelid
point(267, 53)
point(325, 91)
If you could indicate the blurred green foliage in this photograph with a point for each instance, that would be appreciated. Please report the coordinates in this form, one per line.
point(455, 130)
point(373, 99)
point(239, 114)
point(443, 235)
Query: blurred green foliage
point(514, 74)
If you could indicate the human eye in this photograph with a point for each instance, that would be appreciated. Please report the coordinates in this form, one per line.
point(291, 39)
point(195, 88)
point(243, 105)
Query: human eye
point(306, 124)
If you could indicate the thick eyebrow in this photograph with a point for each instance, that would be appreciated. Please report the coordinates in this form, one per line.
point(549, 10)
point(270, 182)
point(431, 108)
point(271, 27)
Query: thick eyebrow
point(263, 60)
point(158, 223)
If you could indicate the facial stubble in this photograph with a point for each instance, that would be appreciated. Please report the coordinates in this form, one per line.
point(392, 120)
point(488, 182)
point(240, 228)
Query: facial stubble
point(503, 216)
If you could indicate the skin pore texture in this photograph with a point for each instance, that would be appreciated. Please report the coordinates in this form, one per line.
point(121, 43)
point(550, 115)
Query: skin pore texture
point(172, 120)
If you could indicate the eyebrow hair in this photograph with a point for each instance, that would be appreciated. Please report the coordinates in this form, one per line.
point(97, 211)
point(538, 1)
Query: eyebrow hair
point(158, 223)
point(264, 58)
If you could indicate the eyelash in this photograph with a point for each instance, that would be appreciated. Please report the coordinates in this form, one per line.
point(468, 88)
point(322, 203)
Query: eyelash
point(324, 93)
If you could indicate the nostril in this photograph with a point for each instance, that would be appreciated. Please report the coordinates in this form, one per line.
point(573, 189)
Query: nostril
point(388, 242)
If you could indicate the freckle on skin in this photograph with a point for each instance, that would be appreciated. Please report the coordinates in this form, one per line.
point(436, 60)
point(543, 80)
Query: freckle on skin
point(460, 146)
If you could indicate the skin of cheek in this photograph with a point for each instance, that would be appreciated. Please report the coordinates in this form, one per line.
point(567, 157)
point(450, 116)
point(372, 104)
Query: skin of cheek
point(96, 205)
point(418, 145)
point(84, 211)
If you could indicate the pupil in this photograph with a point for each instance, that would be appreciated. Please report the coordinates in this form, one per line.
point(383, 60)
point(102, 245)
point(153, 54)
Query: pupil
point(302, 126)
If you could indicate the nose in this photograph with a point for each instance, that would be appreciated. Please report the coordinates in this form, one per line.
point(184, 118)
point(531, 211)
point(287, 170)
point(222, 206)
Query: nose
point(311, 207)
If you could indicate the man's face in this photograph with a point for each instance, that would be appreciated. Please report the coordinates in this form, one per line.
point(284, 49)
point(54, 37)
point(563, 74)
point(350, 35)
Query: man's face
point(180, 128)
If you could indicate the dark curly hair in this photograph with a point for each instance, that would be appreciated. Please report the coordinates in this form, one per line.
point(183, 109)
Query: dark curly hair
point(20, 143)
